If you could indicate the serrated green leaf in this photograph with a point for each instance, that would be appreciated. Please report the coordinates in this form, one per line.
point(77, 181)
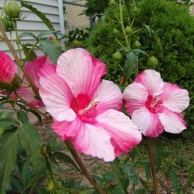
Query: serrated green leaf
point(29, 139)
point(130, 64)
point(45, 33)
point(64, 158)
point(119, 175)
point(29, 56)
point(50, 49)
point(38, 13)
point(22, 117)
point(8, 122)
point(8, 150)
point(175, 181)
point(27, 34)
point(156, 146)
point(139, 51)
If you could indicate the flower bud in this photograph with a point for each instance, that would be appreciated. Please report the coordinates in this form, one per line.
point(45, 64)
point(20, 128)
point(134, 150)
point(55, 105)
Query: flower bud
point(128, 30)
point(13, 10)
point(117, 56)
point(136, 44)
point(112, 2)
point(115, 31)
point(8, 25)
point(152, 61)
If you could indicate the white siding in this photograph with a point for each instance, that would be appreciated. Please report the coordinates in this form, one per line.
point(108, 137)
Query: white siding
point(32, 23)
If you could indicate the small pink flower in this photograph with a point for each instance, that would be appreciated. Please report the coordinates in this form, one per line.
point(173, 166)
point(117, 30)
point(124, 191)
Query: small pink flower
point(32, 69)
point(8, 68)
point(155, 105)
point(84, 109)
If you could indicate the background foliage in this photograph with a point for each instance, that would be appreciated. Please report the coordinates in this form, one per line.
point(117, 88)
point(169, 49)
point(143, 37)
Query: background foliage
point(166, 32)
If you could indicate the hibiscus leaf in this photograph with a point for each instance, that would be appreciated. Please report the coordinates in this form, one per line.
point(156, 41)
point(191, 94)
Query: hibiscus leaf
point(52, 50)
point(27, 34)
point(8, 122)
point(30, 54)
point(64, 158)
point(130, 64)
point(8, 150)
point(29, 139)
point(38, 13)
point(22, 117)
point(156, 146)
point(119, 175)
point(175, 182)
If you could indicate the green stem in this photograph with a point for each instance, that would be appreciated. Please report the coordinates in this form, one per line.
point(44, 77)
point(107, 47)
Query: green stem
point(18, 61)
point(17, 39)
point(122, 26)
point(84, 170)
point(153, 168)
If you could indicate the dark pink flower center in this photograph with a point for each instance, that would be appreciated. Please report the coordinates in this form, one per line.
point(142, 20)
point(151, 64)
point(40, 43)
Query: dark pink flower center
point(84, 107)
point(153, 104)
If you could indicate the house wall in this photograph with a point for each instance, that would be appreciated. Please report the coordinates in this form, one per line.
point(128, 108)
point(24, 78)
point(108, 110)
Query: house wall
point(32, 23)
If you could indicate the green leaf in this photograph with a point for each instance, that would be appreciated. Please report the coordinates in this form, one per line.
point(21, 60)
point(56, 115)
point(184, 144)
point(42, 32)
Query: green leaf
point(130, 64)
point(150, 30)
point(22, 117)
point(50, 49)
point(8, 150)
point(156, 146)
point(139, 51)
point(29, 56)
point(119, 175)
point(175, 181)
point(8, 122)
point(64, 158)
point(38, 13)
point(45, 33)
point(27, 34)
point(29, 139)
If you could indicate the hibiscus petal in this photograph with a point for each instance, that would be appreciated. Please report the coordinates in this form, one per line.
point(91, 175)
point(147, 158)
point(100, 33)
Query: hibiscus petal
point(135, 96)
point(172, 122)
point(109, 96)
point(28, 95)
point(152, 81)
point(81, 71)
point(8, 68)
point(67, 129)
point(55, 94)
point(123, 132)
point(94, 141)
point(33, 67)
point(147, 122)
point(174, 98)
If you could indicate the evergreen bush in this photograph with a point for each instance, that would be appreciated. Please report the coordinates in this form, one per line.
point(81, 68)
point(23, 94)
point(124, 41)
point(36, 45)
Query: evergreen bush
point(167, 32)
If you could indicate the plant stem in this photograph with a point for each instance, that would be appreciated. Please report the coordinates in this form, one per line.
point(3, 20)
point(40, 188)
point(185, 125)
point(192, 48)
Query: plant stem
point(84, 170)
point(153, 168)
point(122, 26)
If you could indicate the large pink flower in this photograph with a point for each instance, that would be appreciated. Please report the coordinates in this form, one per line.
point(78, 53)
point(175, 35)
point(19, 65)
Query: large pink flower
point(156, 105)
point(32, 69)
point(8, 68)
point(84, 109)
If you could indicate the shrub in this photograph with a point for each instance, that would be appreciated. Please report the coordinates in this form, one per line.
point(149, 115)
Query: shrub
point(168, 36)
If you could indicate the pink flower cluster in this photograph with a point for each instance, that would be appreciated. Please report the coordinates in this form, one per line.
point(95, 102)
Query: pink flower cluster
point(87, 109)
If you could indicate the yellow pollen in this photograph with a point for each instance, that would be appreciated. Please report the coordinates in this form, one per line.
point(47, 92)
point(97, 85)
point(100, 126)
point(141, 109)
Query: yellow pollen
point(90, 106)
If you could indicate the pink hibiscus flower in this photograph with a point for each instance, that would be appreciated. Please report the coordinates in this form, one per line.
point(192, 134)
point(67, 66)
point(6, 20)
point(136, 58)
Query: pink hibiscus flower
point(8, 68)
point(32, 69)
point(84, 109)
point(155, 105)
